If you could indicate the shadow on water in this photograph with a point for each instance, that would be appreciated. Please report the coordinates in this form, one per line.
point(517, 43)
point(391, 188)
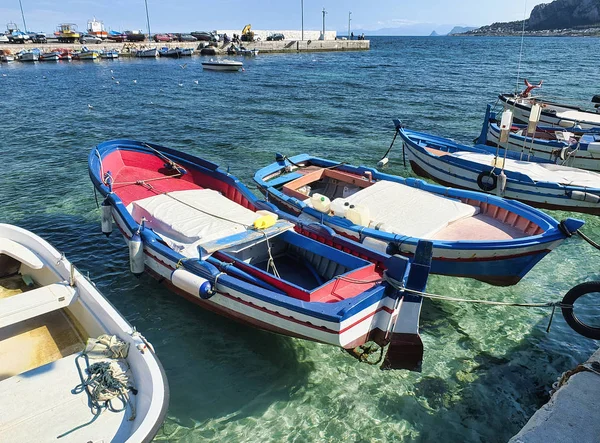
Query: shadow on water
point(217, 369)
point(490, 396)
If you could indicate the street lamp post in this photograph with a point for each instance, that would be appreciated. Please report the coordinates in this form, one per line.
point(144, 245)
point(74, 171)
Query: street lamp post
point(302, 6)
point(324, 12)
point(349, 14)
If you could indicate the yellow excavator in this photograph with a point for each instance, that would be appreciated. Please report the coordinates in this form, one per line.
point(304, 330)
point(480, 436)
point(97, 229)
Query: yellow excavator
point(247, 34)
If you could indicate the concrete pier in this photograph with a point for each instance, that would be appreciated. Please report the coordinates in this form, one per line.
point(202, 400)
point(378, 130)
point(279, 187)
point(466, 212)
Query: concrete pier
point(571, 415)
point(264, 47)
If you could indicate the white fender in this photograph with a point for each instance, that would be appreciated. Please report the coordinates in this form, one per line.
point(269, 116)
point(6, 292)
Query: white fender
point(106, 214)
point(191, 283)
point(585, 196)
point(383, 162)
point(136, 255)
point(501, 184)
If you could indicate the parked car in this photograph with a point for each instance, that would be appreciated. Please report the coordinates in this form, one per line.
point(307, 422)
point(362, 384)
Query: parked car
point(37, 37)
point(275, 37)
point(87, 38)
point(187, 38)
point(163, 38)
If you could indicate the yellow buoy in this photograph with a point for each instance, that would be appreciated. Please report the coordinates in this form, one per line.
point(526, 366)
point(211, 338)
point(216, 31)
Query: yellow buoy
point(264, 222)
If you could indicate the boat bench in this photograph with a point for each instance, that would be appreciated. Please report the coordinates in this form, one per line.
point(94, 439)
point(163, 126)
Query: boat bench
point(36, 302)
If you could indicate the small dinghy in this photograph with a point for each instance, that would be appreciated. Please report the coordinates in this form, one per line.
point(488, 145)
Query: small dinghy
point(53, 384)
point(222, 65)
point(474, 235)
point(543, 185)
point(197, 229)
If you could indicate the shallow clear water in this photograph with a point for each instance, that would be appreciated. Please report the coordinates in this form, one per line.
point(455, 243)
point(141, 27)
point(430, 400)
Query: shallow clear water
point(486, 370)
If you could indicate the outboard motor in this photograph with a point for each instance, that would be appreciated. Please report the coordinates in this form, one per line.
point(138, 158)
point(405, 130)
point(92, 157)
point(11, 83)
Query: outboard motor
point(596, 101)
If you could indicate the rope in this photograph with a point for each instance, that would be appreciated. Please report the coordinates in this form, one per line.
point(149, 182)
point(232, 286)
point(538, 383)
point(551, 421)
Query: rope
point(587, 239)
point(271, 261)
point(392, 144)
point(143, 182)
point(106, 380)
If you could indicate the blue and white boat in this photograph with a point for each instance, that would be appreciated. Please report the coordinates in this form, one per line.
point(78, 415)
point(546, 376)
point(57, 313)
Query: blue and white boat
point(197, 229)
point(572, 146)
point(474, 235)
point(480, 168)
point(109, 54)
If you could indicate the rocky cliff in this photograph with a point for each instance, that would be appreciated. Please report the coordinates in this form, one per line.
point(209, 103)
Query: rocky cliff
point(562, 14)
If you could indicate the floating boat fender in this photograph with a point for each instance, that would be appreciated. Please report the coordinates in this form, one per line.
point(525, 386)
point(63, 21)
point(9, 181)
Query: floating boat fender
point(502, 182)
point(106, 215)
point(487, 181)
point(192, 284)
point(568, 310)
point(584, 196)
point(136, 255)
point(383, 162)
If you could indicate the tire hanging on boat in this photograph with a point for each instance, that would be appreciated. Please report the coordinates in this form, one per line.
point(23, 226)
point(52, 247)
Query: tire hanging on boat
point(568, 312)
point(486, 185)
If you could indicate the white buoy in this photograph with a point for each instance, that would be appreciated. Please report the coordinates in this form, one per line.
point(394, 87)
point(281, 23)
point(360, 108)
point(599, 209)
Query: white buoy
point(383, 162)
point(106, 214)
point(191, 283)
point(196, 81)
point(501, 184)
point(136, 255)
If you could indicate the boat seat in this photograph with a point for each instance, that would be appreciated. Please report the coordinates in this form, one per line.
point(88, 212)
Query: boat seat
point(20, 252)
point(35, 302)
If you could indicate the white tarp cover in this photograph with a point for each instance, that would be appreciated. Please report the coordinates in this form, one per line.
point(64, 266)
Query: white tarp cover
point(188, 219)
point(409, 211)
point(539, 172)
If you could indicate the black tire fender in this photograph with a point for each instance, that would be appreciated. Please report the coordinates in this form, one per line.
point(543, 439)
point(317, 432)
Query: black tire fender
point(485, 185)
point(568, 311)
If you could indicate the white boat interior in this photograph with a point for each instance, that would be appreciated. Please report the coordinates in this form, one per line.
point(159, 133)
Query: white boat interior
point(47, 312)
point(404, 210)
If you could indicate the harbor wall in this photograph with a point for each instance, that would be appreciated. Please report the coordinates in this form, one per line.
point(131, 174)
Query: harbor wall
point(571, 415)
point(306, 45)
point(288, 34)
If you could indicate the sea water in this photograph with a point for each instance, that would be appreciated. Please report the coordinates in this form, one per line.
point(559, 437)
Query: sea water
point(486, 369)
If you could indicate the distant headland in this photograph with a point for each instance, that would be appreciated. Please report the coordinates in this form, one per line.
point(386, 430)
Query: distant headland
point(559, 18)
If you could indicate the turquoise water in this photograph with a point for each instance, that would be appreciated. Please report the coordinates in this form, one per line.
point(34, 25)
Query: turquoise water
point(486, 370)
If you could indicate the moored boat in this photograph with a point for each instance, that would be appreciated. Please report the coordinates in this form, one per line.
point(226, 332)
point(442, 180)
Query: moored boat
point(474, 235)
point(50, 56)
point(110, 54)
point(88, 54)
point(543, 185)
point(47, 309)
point(197, 229)
point(222, 65)
point(28, 55)
point(551, 113)
point(147, 52)
point(6, 56)
point(565, 146)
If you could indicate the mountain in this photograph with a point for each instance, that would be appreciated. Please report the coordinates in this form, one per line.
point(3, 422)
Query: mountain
point(560, 17)
point(434, 34)
point(561, 14)
point(461, 29)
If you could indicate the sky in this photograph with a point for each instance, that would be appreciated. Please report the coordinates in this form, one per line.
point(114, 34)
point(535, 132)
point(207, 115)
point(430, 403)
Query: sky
point(405, 17)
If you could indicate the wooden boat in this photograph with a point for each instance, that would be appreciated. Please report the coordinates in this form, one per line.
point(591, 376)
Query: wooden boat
point(65, 54)
point(474, 235)
point(543, 185)
point(552, 113)
point(50, 56)
point(147, 52)
point(110, 54)
point(197, 229)
point(176, 52)
point(222, 65)
point(564, 146)
point(88, 54)
point(95, 27)
point(28, 55)
point(6, 56)
point(47, 310)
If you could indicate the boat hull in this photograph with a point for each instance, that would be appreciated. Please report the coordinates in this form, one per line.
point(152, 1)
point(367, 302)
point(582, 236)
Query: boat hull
point(500, 263)
point(222, 66)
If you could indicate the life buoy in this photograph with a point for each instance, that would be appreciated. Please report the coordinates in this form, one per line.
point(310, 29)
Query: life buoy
point(484, 183)
point(568, 311)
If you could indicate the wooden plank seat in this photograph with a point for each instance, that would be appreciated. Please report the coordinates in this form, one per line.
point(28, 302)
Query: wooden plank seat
point(36, 302)
point(20, 253)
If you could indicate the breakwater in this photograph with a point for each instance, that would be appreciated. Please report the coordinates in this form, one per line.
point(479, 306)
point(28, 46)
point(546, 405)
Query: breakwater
point(264, 47)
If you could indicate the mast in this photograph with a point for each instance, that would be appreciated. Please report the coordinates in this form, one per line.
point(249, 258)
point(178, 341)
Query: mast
point(147, 19)
point(23, 15)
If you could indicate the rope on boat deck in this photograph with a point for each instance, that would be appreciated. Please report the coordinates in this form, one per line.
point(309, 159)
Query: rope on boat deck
point(106, 380)
point(563, 228)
